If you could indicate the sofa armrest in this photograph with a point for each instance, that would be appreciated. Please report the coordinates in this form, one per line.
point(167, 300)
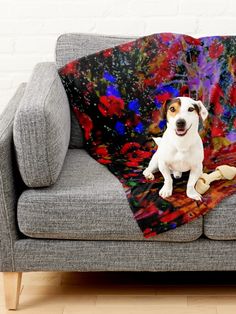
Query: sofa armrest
point(41, 129)
point(11, 184)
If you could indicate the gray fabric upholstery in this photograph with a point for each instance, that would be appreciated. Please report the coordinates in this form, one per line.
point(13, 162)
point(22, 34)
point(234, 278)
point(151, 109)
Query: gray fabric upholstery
point(200, 255)
point(220, 223)
point(10, 183)
point(87, 202)
point(73, 46)
point(41, 127)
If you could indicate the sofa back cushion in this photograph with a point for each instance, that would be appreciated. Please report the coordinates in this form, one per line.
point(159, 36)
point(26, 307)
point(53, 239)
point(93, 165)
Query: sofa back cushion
point(73, 46)
point(41, 129)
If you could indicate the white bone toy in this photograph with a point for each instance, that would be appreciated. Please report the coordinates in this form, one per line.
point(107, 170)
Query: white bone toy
point(223, 172)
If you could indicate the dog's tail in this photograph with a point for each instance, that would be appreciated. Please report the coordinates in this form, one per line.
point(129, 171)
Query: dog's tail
point(157, 140)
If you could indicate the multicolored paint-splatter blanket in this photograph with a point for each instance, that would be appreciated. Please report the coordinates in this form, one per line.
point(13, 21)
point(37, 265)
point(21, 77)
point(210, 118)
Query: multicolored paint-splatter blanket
point(117, 95)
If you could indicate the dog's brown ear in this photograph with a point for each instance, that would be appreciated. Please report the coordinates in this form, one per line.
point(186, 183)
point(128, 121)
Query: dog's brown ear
point(164, 109)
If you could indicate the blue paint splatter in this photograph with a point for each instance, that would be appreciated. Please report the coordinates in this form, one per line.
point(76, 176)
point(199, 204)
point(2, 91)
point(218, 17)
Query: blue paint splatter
point(109, 77)
point(112, 91)
point(157, 103)
point(139, 128)
point(134, 105)
point(161, 89)
point(173, 225)
point(120, 128)
point(227, 114)
point(162, 124)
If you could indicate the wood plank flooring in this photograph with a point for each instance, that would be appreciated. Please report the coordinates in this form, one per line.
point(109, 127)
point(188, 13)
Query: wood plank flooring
point(126, 293)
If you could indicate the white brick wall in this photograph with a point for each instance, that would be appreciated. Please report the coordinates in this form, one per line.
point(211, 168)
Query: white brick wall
point(29, 28)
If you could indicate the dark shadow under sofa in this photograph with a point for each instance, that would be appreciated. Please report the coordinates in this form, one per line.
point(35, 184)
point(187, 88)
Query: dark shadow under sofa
point(60, 210)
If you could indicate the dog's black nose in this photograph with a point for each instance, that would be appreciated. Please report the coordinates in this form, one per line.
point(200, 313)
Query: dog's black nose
point(180, 123)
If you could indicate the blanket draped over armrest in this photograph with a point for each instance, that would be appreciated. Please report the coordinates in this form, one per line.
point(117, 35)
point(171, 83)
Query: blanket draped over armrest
point(117, 95)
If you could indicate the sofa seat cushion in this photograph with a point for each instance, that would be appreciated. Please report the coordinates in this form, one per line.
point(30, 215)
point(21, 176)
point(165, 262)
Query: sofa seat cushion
point(220, 223)
point(87, 202)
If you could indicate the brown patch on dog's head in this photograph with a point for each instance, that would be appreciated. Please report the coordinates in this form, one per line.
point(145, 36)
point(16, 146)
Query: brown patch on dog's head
point(173, 109)
point(166, 109)
point(197, 109)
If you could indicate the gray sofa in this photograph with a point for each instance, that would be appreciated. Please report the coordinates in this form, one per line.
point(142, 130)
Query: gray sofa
point(60, 210)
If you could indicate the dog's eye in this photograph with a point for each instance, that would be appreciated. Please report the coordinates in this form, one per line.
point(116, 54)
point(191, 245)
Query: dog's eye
point(172, 109)
point(190, 109)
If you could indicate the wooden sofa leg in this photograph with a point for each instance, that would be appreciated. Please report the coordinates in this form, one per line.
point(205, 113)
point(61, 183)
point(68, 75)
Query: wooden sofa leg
point(12, 286)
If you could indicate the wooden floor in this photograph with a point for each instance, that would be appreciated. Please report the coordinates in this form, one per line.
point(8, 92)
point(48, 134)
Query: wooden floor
point(126, 293)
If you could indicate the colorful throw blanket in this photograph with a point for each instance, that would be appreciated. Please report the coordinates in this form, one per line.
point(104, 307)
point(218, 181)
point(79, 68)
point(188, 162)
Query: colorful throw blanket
point(117, 95)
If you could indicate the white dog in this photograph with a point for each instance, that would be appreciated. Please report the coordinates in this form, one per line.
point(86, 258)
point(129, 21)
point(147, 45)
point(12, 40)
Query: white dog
point(180, 148)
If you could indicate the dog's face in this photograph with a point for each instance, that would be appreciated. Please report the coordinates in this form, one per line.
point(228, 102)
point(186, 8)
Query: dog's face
point(182, 114)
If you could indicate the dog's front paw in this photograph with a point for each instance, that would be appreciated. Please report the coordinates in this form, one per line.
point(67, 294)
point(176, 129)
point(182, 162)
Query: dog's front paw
point(148, 175)
point(192, 193)
point(166, 191)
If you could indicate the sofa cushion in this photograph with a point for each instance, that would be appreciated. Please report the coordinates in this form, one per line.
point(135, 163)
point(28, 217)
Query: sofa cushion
point(220, 223)
point(41, 129)
point(87, 202)
point(73, 46)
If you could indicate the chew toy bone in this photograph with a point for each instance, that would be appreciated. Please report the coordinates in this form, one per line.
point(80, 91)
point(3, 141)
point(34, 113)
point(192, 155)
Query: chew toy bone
point(223, 172)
